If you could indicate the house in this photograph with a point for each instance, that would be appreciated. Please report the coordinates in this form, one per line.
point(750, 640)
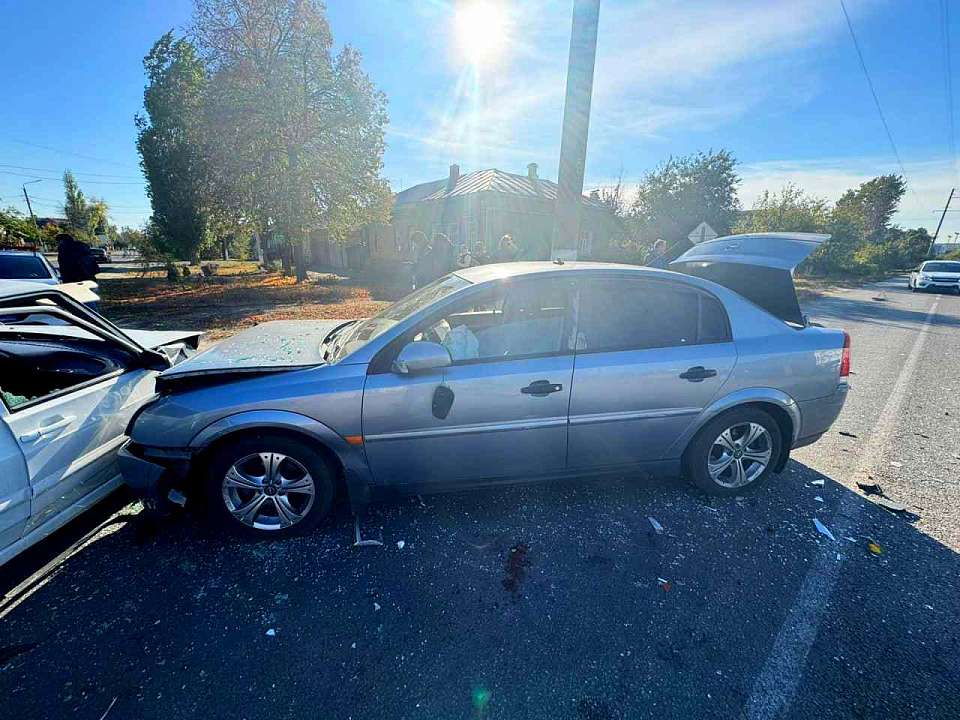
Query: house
point(476, 209)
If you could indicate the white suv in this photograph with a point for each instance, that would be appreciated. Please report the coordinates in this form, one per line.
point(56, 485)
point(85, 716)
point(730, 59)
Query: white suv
point(936, 275)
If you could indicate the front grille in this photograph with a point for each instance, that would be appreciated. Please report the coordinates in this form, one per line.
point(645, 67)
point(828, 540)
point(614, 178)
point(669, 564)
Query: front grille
point(934, 278)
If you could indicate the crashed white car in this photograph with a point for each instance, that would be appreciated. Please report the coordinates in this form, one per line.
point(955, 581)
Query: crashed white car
point(70, 381)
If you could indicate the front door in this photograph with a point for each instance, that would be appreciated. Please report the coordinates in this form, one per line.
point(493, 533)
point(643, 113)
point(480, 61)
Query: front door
point(651, 355)
point(499, 410)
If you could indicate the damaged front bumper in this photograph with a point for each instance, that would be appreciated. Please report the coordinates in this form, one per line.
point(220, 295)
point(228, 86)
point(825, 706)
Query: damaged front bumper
point(156, 475)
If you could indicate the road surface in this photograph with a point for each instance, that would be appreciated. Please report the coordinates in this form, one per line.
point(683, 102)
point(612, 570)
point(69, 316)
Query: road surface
point(547, 601)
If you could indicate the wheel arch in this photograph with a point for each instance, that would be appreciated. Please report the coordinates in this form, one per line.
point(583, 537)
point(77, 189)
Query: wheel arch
point(783, 408)
point(348, 462)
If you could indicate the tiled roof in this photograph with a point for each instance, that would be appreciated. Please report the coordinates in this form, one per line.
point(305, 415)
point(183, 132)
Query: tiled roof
point(484, 181)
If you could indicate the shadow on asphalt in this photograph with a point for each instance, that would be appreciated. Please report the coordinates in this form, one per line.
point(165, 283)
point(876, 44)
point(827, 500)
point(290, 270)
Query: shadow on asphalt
point(846, 309)
point(559, 601)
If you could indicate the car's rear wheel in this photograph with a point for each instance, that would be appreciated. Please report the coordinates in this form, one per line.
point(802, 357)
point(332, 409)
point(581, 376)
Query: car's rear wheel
point(268, 486)
point(735, 451)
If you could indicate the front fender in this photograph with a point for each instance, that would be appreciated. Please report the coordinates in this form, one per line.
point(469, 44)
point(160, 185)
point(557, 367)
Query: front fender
point(352, 458)
point(771, 396)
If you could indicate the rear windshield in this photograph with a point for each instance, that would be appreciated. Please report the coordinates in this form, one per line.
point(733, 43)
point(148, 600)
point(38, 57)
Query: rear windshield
point(22, 267)
point(941, 266)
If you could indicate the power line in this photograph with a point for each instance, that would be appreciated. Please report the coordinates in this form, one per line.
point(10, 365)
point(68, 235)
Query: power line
point(60, 179)
point(67, 152)
point(53, 170)
point(948, 80)
point(873, 92)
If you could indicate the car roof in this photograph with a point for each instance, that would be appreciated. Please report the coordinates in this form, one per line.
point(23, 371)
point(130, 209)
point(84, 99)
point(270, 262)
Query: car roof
point(13, 250)
point(499, 271)
point(9, 288)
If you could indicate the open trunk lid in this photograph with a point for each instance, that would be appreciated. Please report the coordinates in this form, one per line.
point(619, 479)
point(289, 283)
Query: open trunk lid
point(758, 266)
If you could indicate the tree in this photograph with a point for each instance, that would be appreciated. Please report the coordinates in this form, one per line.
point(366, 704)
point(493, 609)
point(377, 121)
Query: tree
point(685, 191)
point(16, 229)
point(297, 131)
point(85, 218)
point(170, 140)
point(789, 210)
point(873, 204)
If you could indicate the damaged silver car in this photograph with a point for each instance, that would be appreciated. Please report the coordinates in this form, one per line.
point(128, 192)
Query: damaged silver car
point(503, 373)
point(70, 381)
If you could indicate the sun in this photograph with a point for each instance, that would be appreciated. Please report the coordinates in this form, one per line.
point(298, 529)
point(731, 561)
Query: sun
point(481, 28)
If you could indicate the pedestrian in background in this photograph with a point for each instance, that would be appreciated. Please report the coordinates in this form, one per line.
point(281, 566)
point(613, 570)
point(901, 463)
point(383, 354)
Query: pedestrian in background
point(507, 249)
point(76, 262)
point(658, 255)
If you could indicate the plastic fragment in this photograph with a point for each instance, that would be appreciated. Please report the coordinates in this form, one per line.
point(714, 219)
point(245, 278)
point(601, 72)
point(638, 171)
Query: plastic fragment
point(376, 607)
point(270, 632)
point(665, 585)
point(818, 498)
point(657, 527)
point(874, 547)
point(823, 529)
point(400, 544)
point(817, 483)
point(870, 488)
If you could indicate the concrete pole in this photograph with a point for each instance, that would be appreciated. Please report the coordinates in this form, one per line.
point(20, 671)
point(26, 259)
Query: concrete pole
point(576, 125)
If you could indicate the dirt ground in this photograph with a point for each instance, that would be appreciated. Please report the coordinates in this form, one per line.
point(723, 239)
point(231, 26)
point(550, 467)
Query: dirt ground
point(238, 297)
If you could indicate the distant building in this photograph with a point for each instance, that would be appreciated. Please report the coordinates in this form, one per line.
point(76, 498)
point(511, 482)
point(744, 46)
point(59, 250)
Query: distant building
point(475, 210)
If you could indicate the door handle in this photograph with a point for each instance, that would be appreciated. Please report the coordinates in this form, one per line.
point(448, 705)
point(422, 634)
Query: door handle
point(698, 373)
point(541, 388)
point(45, 430)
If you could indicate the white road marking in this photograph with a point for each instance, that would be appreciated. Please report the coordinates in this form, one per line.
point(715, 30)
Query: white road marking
point(777, 682)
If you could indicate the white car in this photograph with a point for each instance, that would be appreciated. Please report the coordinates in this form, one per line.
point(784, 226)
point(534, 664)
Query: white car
point(19, 264)
point(70, 381)
point(936, 275)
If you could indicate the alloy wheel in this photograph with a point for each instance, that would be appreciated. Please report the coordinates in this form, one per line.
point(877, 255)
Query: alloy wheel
point(739, 455)
point(268, 491)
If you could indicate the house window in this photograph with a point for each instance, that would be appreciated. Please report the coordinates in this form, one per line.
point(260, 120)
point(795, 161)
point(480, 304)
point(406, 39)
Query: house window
point(585, 248)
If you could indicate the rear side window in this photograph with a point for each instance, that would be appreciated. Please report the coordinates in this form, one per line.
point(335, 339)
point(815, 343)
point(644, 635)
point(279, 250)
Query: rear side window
point(624, 314)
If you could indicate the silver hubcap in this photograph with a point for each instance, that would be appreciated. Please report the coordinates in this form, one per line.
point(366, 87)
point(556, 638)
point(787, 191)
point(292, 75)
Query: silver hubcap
point(739, 455)
point(268, 491)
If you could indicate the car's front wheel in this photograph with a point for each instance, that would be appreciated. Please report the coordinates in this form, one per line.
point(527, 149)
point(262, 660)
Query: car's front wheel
point(268, 486)
point(736, 450)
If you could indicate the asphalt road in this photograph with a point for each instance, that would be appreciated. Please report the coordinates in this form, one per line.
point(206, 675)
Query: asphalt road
point(546, 601)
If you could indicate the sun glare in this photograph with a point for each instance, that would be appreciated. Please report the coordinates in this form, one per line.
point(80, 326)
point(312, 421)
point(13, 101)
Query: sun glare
point(481, 28)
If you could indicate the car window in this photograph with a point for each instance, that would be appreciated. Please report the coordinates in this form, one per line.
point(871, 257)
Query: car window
point(626, 314)
point(514, 319)
point(941, 266)
point(40, 360)
point(23, 267)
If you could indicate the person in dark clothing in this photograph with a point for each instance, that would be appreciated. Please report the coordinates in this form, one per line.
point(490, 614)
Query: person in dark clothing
point(75, 259)
point(658, 255)
point(421, 258)
point(507, 249)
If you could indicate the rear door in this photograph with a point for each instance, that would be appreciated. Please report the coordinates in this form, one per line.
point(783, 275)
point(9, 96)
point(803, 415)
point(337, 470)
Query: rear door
point(651, 354)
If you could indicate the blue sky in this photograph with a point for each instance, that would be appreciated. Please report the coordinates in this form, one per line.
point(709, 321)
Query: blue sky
point(777, 83)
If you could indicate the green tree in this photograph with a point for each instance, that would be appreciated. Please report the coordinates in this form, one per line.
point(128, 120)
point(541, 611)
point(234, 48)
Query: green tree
point(682, 192)
point(16, 229)
point(86, 218)
point(170, 140)
point(873, 204)
point(297, 130)
point(789, 210)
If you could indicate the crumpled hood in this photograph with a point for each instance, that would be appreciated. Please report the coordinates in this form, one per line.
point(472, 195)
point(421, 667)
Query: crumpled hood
point(270, 346)
point(154, 339)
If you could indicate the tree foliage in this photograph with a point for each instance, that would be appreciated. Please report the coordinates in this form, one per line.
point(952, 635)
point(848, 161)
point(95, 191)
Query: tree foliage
point(16, 229)
point(296, 131)
point(683, 192)
point(86, 218)
point(873, 204)
point(171, 142)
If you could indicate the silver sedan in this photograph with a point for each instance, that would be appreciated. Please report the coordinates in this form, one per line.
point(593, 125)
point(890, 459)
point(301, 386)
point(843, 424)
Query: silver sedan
point(502, 373)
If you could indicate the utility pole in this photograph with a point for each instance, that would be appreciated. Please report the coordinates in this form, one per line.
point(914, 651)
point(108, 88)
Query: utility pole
point(939, 224)
point(27, 198)
point(576, 125)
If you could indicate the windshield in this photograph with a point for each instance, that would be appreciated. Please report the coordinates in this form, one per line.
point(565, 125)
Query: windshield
point(22, 267)
point(363, 332)
point(949, 267)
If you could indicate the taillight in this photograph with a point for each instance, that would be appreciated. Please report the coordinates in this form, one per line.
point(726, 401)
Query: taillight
point(845, 358)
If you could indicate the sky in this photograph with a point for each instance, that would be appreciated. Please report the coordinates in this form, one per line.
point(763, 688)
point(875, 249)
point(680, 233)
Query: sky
point(778, 83)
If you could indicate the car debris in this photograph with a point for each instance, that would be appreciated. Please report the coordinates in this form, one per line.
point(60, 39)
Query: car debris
point(823, 529)
point(400, 544)
point(818, 498)
point(657, 527)
point(891, 505)
point(847, 434)
point(874, 547)
point(359, 541)
point(664, 584)
point(817, 483)
point(870, 488)
point(270, 632)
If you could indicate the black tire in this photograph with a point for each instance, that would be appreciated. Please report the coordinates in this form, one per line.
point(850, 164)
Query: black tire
point(248, 451)
point(701, 450)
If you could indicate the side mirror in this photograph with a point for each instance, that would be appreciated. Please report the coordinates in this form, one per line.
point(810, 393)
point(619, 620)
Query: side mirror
point(420, 356)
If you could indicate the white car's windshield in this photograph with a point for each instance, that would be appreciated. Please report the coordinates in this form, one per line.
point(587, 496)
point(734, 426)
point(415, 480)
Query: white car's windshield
point(363, 332)
point(941, 266)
